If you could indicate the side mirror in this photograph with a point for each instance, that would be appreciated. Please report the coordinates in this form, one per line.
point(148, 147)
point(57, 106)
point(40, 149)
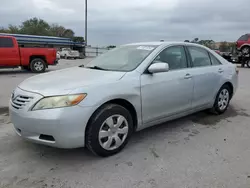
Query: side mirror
point(158, 67)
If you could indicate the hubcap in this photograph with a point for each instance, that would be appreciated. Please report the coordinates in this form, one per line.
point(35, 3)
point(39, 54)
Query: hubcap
point(113, 132)
point(245, 51)
point(38, 66)
point(223, 99)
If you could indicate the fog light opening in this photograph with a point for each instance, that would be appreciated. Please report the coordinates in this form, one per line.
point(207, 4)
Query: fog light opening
point(46, 137)
point(19, 130)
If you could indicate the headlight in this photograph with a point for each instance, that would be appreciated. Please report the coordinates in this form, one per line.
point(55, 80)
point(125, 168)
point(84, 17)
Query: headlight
point(59, 101)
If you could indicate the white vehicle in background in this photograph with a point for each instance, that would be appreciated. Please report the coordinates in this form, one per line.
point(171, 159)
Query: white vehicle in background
point(68, 53)
point(58, 56)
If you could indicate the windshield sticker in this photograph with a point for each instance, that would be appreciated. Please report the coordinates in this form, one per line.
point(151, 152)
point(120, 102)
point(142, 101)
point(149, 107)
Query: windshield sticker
point(149, 48)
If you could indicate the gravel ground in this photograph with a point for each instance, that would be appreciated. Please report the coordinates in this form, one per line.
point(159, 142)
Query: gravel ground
point(200, 150)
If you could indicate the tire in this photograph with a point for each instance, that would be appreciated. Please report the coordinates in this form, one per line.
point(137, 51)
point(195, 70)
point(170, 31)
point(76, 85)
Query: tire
point(222, 100)
point(37, 65)
point(245, 50)
point(248, 63)
point(113, 139)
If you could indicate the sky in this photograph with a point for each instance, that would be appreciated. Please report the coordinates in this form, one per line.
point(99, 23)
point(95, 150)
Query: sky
point(114, 22)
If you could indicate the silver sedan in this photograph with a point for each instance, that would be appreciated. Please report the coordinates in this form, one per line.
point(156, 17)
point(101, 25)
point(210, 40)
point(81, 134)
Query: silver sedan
point(127, 89)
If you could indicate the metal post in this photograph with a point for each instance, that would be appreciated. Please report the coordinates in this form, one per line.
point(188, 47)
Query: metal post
point(86, 21)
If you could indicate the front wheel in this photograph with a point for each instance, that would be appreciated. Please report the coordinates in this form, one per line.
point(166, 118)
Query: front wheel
point(109, 130)
point(37, 65)
point(222, 100)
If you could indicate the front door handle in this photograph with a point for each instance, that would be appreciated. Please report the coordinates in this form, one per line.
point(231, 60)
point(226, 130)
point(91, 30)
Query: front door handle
point(187, 76)
point(220, 70)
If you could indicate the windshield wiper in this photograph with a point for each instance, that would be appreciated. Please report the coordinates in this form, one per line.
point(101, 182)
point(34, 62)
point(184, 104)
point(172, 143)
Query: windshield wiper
point(81, 66)
point(97, 68)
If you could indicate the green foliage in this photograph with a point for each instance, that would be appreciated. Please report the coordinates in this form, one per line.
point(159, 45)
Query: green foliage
point(208, 43)
point(226, 46)
point(111, 46)
point(78, 39)
point(36, 26)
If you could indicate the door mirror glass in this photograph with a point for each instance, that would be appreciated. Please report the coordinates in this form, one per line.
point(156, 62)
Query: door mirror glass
point(157, 66)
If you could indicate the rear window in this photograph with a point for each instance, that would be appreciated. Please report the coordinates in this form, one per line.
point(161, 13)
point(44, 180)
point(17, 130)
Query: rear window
point(243, 38)
point(6, 43)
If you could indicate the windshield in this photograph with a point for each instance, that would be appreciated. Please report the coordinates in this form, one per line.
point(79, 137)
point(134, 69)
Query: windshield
point(125, 58)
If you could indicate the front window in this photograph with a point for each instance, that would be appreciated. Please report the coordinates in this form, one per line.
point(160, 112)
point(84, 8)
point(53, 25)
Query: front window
point(125, 58)
point(175, 57)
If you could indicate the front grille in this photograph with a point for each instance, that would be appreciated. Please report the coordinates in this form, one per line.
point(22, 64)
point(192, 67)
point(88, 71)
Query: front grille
point(20, 101)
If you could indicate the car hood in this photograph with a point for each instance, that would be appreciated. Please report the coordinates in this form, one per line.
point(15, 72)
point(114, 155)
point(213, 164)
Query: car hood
point(63, 81)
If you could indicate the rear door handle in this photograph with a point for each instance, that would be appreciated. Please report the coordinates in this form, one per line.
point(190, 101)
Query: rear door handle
point(187, 76)
point(220, 71)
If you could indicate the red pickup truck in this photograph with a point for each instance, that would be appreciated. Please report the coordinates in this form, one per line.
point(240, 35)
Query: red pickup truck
point(33, 59)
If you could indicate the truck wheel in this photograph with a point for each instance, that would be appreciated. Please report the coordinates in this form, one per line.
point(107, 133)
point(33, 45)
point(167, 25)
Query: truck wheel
point(38, 65)
point(248, 63)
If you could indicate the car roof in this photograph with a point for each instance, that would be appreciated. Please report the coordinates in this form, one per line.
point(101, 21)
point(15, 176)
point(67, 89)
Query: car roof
point(167, 43)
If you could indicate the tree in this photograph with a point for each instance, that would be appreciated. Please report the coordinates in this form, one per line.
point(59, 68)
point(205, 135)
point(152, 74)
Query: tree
point(68, 33)
point(223, 46)
point(208, 43)
point(35, 26)
point(195, 40)
point(111, 46)
point(78, 39)
point(57, 30)
point(3, 30)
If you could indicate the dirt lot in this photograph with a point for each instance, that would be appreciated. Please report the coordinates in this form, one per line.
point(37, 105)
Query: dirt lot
point(196, 151)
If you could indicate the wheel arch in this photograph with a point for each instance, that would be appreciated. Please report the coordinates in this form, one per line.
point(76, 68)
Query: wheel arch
point(122, 102)
point(244, 45)
point(38, 57)
point(230, 85)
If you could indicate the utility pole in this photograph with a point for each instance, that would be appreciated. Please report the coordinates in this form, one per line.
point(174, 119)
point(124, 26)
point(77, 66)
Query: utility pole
point(86, 21)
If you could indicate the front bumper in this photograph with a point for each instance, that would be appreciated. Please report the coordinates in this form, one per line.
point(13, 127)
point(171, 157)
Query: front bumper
point(65, 125)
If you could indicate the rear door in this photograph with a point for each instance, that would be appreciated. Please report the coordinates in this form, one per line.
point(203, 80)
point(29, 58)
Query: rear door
point(9, 54)
point(206, 76)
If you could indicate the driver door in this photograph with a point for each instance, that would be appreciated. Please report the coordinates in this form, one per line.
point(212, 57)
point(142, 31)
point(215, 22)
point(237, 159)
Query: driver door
point(167, 93)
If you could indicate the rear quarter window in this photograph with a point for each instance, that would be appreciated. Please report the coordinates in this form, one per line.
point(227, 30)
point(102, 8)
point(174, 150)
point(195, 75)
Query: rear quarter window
point(6, 43)
point(243, 38)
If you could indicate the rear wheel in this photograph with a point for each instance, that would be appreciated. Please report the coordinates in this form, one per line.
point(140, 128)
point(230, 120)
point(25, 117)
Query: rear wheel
point(248, 63)
point(222, 100)
point(245, 50)
point(109, 130)
point(38, 65)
